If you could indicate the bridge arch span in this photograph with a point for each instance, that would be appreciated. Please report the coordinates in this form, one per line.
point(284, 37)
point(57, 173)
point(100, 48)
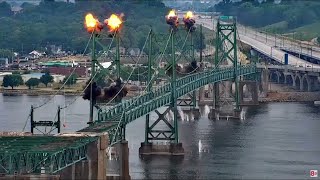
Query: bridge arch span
point(306, 83)
point(298, 82)
point(290, 79)
point(276, 76)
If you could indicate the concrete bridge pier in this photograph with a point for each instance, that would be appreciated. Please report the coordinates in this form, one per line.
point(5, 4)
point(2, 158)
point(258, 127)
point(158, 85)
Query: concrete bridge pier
point(192, 113)
point(175, 149)
point(214, 114)
point(252, 88)
point(264, 84)
point(95, 165)
point(160, 140)
point(123, 149)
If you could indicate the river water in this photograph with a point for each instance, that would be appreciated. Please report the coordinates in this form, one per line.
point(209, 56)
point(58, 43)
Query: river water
point(275, 141)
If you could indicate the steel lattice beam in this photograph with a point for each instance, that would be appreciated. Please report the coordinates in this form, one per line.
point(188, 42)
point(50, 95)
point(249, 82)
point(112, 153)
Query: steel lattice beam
point(24, 155)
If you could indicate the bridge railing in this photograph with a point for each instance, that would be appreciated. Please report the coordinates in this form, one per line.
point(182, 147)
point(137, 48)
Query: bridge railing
point(133, 102)
point(198, 81)
point(164, 91)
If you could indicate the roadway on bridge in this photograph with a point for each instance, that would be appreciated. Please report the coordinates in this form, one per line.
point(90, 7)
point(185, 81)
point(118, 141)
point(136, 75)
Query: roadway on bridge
point(282, 42)
point(264, 48)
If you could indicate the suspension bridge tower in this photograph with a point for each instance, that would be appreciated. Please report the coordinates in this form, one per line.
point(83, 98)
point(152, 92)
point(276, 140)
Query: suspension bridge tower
point(226, 55)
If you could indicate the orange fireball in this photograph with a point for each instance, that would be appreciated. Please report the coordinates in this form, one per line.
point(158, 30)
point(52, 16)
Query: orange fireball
point(189, 15)
point(90, 23)
point(172, 13)
point(113, 22)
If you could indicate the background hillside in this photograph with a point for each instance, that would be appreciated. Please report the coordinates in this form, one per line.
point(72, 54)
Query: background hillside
point(60, 23)
point(301, 17)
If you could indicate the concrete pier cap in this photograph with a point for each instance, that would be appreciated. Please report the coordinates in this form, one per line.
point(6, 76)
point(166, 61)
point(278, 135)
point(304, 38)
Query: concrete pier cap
point(191, 111)
point(171, 149)
point(95, 166)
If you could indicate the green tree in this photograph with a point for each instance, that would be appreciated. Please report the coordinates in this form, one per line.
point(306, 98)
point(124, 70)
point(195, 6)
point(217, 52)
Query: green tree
point(30, 27)
point(46, 79)
point(6, 53)
point(71, 79)
point(5, 9)
point(32, 82)
point(16, 72)
point(26, 72)
point(12, 80)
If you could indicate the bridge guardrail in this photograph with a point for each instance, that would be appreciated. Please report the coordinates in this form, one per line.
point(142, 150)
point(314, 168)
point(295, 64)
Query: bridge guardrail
point(119, 108)
point(289, 67)
point(198, 81)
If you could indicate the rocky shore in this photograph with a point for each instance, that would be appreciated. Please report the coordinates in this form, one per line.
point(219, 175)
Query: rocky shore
point(291, 97)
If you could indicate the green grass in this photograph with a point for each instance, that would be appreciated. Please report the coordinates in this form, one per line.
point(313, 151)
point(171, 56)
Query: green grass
point(308, 32)
point(279, 27)
point(305, 33)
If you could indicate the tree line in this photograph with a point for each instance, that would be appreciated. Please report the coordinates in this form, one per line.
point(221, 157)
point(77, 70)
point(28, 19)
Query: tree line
point(61, 23)
point(283, 17)
point(15, 79)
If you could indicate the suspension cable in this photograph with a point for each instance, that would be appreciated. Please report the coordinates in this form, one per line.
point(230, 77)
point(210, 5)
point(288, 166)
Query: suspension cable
point(74, 100)
point(121, 87)
point(151, 80)
point(127, 81)
point(65, 106)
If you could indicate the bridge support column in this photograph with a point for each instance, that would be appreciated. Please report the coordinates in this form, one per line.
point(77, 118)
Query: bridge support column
point(201, 94)
point(188, 106)
point(192, 113)
point(214, 111)
point(167, 146)
point(123, 149)
point(264, 82)
point(94, 167)
point(316, 84)
point(253, 89)
point(213, 114)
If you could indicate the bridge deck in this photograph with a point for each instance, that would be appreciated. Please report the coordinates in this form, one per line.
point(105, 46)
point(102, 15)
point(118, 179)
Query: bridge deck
point(48, 144)
point(309, 57)
point(28, 154)
point(100, 127)
point(264, 48)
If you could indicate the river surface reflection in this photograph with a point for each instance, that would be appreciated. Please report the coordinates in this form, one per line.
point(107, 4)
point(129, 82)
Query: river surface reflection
point(275, 141)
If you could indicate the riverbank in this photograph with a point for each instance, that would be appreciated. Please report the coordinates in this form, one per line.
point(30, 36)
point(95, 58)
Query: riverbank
point(271, 96)
point(36, 92)
point(48, 91)
point(291, 97)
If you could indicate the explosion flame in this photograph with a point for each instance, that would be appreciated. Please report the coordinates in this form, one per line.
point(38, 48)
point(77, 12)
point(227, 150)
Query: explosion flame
point(172, 19)
point(172, 13)
point(189, 21)
point(113, 22)
point(92, 23)
point(189, 15)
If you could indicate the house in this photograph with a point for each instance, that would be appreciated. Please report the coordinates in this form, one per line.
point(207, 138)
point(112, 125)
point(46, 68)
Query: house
point(16, 9)
point(36, 55)
point(133, 51)
point(4, 61)
point(121, 49)
point(22, 59)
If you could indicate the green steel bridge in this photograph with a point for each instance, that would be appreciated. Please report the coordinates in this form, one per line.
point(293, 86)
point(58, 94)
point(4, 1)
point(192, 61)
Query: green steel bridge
point(31, 154)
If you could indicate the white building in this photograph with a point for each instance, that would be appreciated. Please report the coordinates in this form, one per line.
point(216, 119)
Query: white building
point(36, 55)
